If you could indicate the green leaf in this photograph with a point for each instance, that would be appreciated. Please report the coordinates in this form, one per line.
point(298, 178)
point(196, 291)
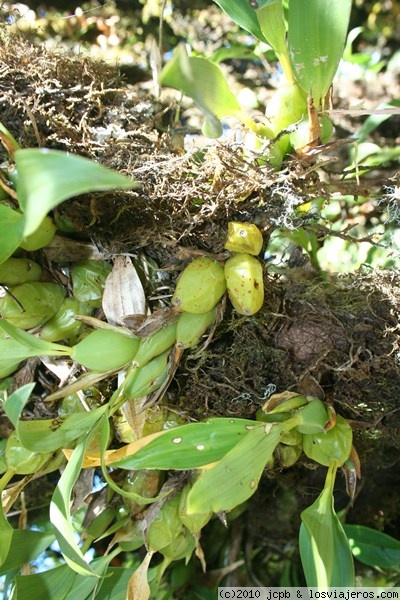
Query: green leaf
point(203, 81)
point(189, 446)
point(6, 534)
point(235, 477)
point(12, 142)
point(83, 585)
point(244, 15)
point(11, 231)
point(34, 345)
point(51, 434)
point(26, 545)
point(44, 435)
point(60, 583)
point(272, 23)
point(48, 177)
point(53, 584)
point(60, 514)
point(14, 405)
point(372, 547)
point(324, 548)
point(373, 121)
point(114, 584)
point(6, 531)
point(316, 38)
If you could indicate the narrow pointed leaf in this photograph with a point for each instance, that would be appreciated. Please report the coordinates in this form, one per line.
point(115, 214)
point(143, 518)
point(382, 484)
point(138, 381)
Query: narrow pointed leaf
point(60, 514)
point(34, 345)
point(48, 177)
point(316, 38)
point(14, 405)
point(244, 15)
point(373, 548)
point(83, 585)
point(272, 23)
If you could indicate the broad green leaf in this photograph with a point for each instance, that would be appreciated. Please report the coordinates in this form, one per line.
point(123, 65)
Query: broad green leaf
point(203, 81)
point(11, 231)
point(12, 353)
point(83, 585)
point(53, 584)
point(60, 583)
point(324, 548)
point(48, 177)
point(44, 435)
point(26, 545)
point(60, 513)
point(244, 15)
point(316, 38)
point(235, 477)
point(373, 548)
point(189, 446)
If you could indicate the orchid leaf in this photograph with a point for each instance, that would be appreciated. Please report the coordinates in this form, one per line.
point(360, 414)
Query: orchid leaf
point(316, 39)
point(45, 435)
point(12, 231)
point(60, 513)
point(26, 545)
point(14, 405)
point(34, 345)
point(244, 15)
point(203, 81)
point(324, 548)
point(236, 476)
point(373, 548)
point(48, 177)
point(60, 583)
point(186, 447)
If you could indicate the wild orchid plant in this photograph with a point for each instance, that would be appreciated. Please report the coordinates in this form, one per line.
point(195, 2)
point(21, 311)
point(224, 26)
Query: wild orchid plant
point(224, 458)
point(308, 46)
